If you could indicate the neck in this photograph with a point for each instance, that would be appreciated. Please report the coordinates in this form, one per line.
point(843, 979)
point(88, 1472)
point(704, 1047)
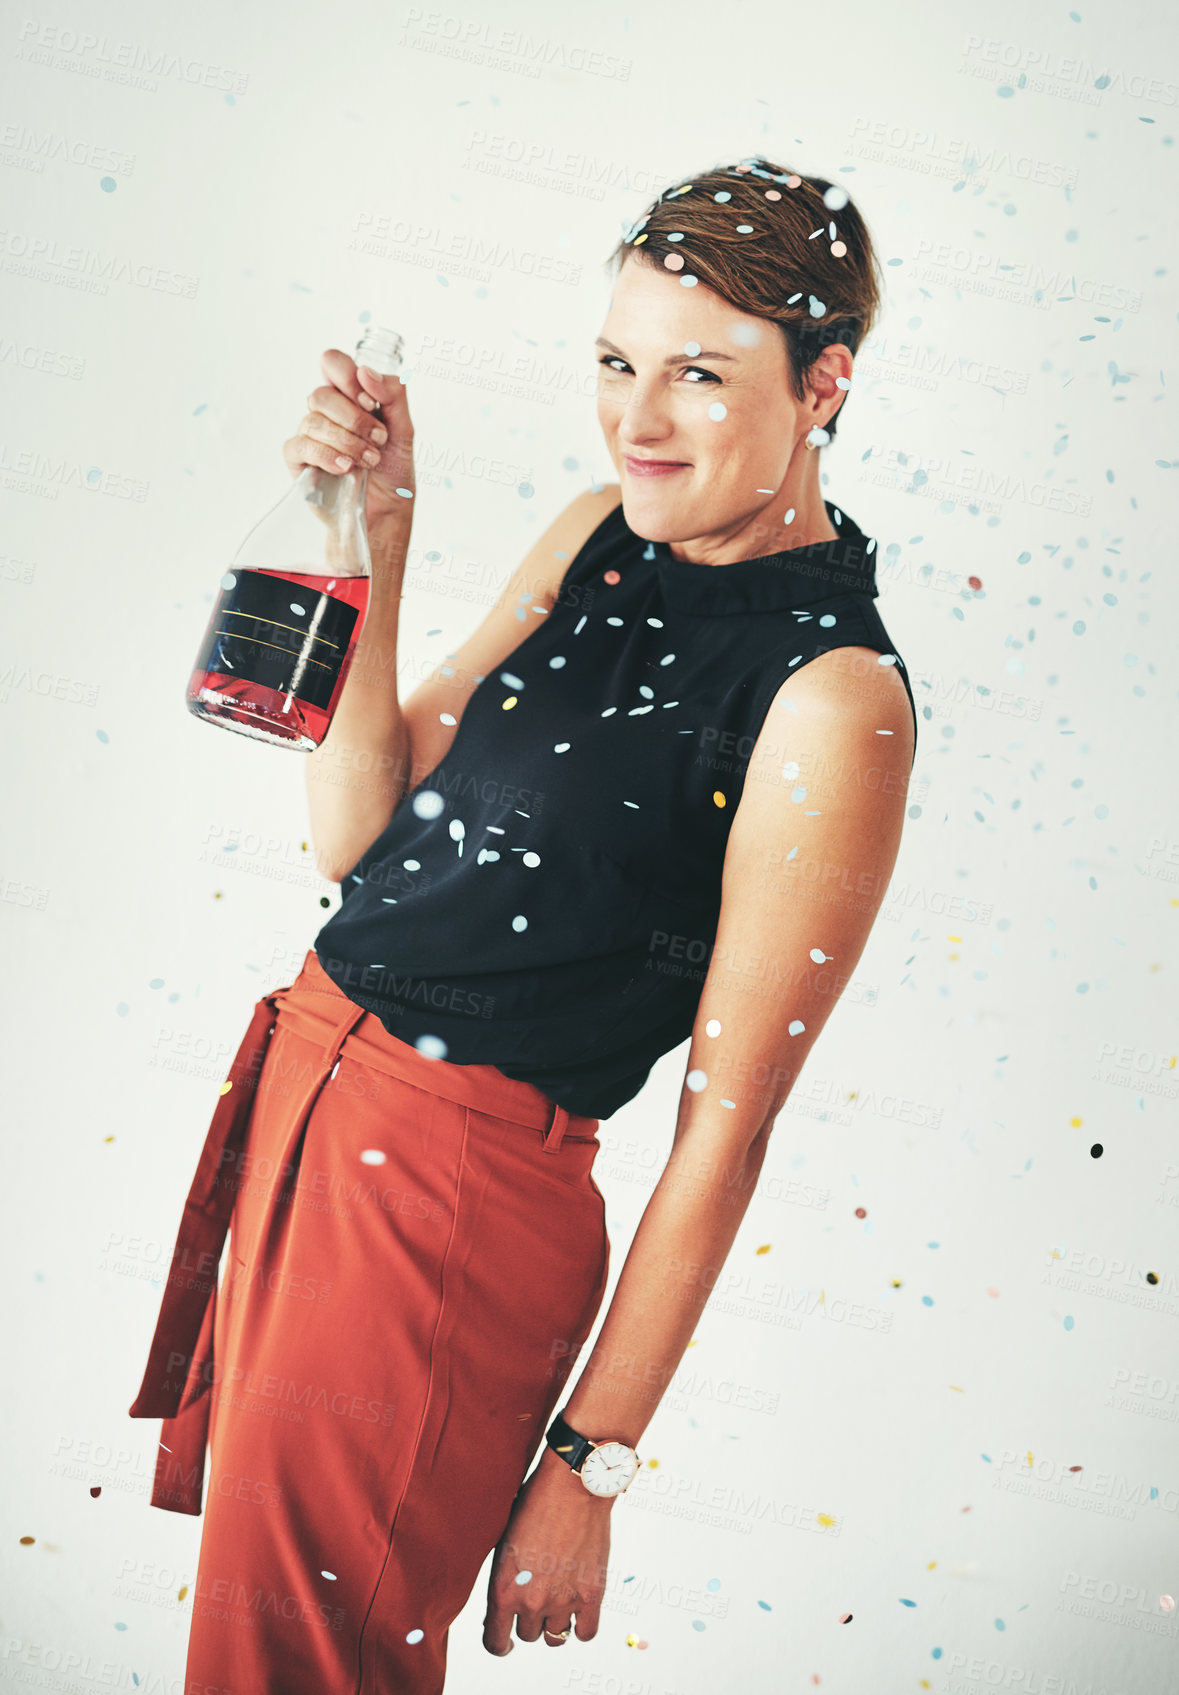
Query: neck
point(765, 530)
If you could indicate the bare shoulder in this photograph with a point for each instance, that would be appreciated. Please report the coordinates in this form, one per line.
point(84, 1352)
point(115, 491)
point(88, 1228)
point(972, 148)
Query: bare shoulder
point(851, 701)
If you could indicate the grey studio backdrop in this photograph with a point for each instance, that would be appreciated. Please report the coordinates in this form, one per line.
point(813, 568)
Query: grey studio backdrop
point(952, 1417)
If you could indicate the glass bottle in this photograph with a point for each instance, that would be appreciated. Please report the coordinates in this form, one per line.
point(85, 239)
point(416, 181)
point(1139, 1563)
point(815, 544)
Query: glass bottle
point(279, 644)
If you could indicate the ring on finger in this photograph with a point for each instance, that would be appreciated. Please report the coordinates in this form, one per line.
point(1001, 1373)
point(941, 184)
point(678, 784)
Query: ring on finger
point(558, 1635)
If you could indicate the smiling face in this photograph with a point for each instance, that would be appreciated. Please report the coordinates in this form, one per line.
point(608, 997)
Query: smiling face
point(685, 378)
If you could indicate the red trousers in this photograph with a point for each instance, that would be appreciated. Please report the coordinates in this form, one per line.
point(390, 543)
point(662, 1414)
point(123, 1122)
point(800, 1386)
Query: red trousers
point(418, 1251)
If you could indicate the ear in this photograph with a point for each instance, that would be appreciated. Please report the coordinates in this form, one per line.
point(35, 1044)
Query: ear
point(824, 395)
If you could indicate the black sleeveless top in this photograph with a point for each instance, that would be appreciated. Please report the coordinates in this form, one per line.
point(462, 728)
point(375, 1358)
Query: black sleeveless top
point(546, 899)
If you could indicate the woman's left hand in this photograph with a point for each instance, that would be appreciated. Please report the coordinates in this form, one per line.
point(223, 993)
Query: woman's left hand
point(558, 1534)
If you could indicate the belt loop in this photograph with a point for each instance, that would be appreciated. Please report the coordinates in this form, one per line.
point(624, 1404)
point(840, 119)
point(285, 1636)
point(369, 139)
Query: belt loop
point(556, 1130)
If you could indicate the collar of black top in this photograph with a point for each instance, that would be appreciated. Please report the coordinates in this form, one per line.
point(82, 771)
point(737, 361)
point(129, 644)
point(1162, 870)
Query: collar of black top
point(776, 582)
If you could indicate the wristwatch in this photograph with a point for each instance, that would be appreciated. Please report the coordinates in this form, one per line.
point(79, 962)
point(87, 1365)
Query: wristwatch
point(605, 1468)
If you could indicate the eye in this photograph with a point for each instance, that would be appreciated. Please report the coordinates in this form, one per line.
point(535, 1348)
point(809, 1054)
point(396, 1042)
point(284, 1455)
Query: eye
point(695, 372)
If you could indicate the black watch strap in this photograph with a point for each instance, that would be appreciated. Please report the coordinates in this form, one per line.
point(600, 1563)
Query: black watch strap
point(564, 1440)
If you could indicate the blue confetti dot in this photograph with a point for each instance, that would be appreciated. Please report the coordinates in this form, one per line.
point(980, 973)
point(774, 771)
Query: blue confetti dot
point(122, 1009)
point(525, 491)
point(102, 735)
point(927, 1300)
point(1069, 1321)
point(699, 1624)
point(713, 1583)
point(108, 185)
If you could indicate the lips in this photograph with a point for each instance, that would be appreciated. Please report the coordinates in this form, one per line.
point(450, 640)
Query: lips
point(652, 467)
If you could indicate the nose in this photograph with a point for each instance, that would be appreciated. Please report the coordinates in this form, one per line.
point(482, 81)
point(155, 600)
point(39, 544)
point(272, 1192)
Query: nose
point(646, 417)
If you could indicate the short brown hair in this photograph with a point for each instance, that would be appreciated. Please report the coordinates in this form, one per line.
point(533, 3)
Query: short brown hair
point(782, 267)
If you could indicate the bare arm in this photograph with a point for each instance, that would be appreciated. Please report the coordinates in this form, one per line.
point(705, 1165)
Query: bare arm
point(377, 748)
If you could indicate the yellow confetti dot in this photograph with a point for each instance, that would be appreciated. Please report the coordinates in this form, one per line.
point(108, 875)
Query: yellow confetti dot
point(1030, 1461)
point(227, 1086)
point(931, 1565)
point(896, 1283)
point(764, 1249)
point(825, 1520)
point(183, 1591)
point(632, 1641)
point(653, 1465)
point(639, 240)
point(510, 702)
point(1076, 1123)
point(953, 938)
point(108, 1138)
point(956, 1389)
point(718, 799)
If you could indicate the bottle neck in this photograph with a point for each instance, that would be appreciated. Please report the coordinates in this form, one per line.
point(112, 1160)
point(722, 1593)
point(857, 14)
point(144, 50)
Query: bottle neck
point(381, 350)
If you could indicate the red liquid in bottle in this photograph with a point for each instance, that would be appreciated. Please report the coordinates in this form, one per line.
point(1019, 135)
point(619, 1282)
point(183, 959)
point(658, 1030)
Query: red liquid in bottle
point(277, 652)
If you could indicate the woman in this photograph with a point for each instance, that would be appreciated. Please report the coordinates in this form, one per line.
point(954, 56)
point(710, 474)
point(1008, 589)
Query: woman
point(657, 794)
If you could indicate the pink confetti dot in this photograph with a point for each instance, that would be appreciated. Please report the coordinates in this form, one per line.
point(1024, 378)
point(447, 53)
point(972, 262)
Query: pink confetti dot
point(793, 182)
point(975, 582)
point(861, 1213)
point(674, 261)
point(772, 194)
point(838, 249)
point(743, 168)
point(611, 577)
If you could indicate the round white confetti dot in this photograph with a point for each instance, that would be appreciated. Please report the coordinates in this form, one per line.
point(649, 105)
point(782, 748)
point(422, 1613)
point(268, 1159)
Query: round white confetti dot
point(457, 829)
point(557, 661)
point(432, 1046)
point(523, 1577)
point(519, 922)
point(405, 493)
point(531, 859)
point(415, 1636)
point(299, 611)
point(789, 518)
point(835, 199)
point(717, 411)
point(696, 1080)
point(691, 348)
point(689, 282)
point(744, 229)
point(562, 747)
point(510, 680)
point(447, 718)
point(886, 659)
point(795, 1027)
point(723, 195)
point(330, 1575)
point(843, 382)
point(713, 1027)
point(827, 620)
point(819, 957)
point(676, 235)
point(427, 803)
point(229, 581)
point(372, 1156)
point(790, 770)
point(412, 864)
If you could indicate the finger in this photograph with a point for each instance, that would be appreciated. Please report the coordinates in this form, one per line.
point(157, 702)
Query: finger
point(497, 1628)
point(341, 440)
point(588, 1615)
point(330, 403)
point(554, 1625)
point(303, 450)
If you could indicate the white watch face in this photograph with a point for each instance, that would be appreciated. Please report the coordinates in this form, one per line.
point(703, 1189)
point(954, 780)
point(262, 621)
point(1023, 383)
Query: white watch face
point(608, 1468)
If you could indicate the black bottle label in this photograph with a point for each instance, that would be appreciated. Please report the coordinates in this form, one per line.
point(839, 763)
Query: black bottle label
point(281, 633)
